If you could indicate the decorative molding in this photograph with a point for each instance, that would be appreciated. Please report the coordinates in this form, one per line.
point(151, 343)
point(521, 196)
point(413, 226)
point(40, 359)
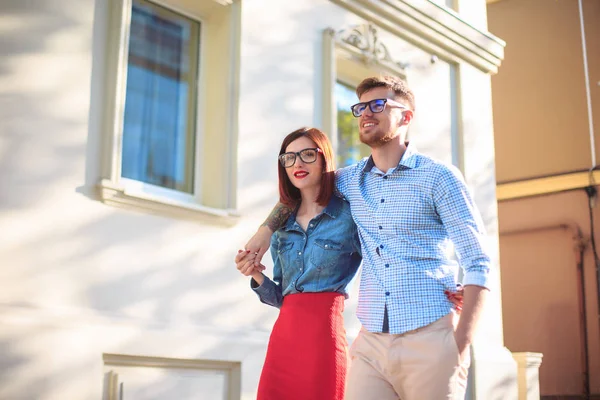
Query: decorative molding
point(365, 38)
point(434, 28)
point(547, 185)
point(528, 359)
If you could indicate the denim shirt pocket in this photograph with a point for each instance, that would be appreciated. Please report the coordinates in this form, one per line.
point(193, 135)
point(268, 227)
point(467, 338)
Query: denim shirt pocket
point(326, 253)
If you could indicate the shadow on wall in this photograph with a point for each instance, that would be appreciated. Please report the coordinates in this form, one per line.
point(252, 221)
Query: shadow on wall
point(37, 78)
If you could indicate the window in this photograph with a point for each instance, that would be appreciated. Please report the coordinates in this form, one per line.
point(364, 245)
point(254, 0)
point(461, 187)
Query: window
point(159, 129)
point(168, 65)
point(350, 149)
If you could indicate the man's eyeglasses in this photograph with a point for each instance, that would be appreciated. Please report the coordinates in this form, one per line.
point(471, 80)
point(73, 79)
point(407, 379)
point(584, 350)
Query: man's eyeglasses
point(376, 106)
point(307, 156)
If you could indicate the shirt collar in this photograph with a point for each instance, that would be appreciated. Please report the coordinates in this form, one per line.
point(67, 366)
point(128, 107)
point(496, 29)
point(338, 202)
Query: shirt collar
point(333, 209)
point(408, 160)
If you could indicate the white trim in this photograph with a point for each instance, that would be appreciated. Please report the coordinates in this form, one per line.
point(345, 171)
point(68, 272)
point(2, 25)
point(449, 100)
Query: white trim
point(200, 104)
point(456, 126)
point(134, 186)
point(434, 28)
point(329, 72)
point(234, 101)
point(130, 198)
point(232, 370)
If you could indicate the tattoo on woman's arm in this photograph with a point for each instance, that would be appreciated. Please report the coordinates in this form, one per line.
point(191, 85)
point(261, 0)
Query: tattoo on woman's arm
point(278, 217)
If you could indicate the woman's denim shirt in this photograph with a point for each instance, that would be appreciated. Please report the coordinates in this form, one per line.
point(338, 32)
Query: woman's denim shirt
point(325, 258)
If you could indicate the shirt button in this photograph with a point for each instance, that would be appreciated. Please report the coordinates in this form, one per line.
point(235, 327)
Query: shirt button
point(387, 265)
point(387, 293)
point(311, 225)
point(385, 177)
point(299, 253)
point(326, 246)
point(380, 227)
point(381, 246)
point(382, 200)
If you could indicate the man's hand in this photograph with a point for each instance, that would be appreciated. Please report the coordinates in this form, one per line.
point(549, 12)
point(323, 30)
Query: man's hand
point(257, 246)
point(474, 300)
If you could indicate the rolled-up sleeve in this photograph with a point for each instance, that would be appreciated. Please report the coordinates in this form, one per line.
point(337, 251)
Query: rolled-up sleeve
point(462, 221)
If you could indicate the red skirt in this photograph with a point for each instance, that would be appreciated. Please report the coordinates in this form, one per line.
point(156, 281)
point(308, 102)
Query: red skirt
point(307, 353)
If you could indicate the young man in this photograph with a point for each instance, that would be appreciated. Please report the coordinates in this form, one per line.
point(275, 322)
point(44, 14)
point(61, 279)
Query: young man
point(408, 208)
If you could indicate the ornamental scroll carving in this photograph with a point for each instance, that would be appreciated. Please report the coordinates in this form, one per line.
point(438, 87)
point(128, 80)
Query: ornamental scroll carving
point(365, 39)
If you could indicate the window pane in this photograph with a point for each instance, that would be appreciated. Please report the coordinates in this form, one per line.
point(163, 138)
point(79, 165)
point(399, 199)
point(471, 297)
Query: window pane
point(160, 106)
point(350, 149)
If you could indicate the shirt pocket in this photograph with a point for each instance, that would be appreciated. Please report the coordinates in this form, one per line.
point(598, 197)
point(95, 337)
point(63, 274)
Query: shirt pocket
point(326, 253)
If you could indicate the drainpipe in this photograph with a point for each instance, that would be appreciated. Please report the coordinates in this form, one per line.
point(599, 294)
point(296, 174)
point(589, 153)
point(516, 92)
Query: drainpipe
point(580, 247)
point(587, 86)
point(580, 251)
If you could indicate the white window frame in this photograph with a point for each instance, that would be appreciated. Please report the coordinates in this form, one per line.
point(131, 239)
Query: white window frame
point(113, 362)
point(214, 168)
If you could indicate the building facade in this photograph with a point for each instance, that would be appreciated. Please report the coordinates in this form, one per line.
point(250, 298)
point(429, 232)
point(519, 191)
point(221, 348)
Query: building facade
point(139, 144)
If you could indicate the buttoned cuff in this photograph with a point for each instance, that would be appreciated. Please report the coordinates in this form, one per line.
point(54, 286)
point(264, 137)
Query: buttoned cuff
point(268, 286)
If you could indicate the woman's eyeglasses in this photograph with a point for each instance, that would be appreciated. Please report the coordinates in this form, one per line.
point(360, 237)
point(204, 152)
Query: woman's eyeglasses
point(376, 106)
point(307, 156)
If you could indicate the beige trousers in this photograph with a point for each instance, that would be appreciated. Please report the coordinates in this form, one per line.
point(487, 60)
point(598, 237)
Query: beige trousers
point(423, 364)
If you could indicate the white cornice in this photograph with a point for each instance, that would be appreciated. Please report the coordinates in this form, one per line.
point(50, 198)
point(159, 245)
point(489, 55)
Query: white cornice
point(434, 28)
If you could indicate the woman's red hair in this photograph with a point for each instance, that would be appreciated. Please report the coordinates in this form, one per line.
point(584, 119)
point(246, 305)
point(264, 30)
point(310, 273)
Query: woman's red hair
point(288, 193)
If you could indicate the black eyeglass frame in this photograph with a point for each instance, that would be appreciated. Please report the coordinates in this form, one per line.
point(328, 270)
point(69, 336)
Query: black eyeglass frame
point(297, 154)
point(372, 103)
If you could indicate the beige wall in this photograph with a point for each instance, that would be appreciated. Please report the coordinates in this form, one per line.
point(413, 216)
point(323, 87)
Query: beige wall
point(540, 111)
point(541, 129)
point(541, 285)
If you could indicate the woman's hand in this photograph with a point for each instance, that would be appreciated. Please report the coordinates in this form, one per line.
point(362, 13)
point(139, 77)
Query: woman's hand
point(456, 297)
point(245, 263)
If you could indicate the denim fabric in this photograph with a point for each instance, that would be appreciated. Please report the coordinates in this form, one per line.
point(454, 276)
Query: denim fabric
point(325, 258)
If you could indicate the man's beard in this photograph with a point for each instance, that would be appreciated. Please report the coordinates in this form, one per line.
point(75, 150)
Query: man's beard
point(376, 139)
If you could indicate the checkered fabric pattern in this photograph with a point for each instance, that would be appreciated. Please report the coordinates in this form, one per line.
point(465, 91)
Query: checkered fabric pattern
point(411, 221)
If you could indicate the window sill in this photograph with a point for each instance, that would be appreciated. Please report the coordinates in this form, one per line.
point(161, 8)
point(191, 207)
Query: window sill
point(110, 193)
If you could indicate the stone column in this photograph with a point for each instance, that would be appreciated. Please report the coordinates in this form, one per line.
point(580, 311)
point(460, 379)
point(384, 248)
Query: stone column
point(528, 374)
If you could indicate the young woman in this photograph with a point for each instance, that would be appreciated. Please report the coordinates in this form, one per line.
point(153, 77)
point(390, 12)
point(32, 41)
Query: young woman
point(315, 256)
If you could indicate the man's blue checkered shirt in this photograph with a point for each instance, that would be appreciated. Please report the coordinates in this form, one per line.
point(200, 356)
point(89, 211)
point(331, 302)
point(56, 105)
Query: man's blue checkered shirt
point(408, 220)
